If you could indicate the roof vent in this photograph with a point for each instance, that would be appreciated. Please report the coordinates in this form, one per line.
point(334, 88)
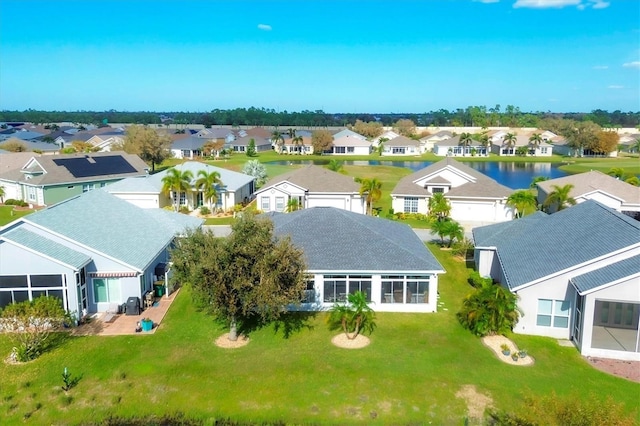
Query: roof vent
point(91, 160)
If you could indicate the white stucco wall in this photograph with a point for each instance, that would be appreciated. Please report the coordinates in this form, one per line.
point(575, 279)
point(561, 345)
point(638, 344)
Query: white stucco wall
point(145, 201)
point(480, 211)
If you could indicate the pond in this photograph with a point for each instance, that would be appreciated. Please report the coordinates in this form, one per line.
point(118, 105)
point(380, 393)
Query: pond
point(515, 175)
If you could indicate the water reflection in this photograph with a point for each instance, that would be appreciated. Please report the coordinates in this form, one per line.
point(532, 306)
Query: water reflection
point(515, 175)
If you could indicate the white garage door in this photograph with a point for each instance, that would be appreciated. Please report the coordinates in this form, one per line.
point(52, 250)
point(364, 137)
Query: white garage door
point(327, 202)
point(476, 212)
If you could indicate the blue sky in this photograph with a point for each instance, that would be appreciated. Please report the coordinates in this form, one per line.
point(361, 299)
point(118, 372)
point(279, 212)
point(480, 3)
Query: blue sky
point(338, 56)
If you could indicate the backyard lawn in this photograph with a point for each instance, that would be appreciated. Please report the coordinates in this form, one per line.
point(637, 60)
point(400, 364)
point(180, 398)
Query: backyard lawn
point(410, 373)
point(8, 214)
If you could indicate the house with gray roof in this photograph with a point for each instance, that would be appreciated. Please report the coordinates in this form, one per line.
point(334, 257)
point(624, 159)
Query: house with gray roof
point(576, 273)
point(350, 145)
point(45, 180)
point(147, 191)
point(453, 147)
point(351, 133)
point(93, 251)
point(401, 145)
point(595, 185)
point(310, 186)
point(428, 142)
point(474, 197)
point(397, 274)
point(504, 148)
point(241, 144)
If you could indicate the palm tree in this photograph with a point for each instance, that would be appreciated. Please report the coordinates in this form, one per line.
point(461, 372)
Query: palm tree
point(535, 140)
point(439, 227)
point(380, 147)
point(439, 206)
point(560, 197)
point(293, 205)
point(490, 309)
point(465, 141)
point(522, 201)
point(208, 183)
point(277, 139)
point(335, 165)
point(453, 230)
point(291, 132)
point(372, 188)
point(483, 138)
point(535, 181)
point(2, 194)
point(509, 139)
point(353, 317)
point(297, 142)
point(175, 182)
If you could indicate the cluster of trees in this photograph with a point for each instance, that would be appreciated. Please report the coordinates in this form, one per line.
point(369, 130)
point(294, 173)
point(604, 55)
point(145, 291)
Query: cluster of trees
point(472, 116)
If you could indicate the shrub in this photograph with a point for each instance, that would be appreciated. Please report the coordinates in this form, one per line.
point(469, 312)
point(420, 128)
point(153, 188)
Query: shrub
point(204, 210)
point(462, 248)
point(477, 281)
point(184, 210)
point(12, 202)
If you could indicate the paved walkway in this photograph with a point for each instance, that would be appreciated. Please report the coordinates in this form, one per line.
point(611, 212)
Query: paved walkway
point(126, 324)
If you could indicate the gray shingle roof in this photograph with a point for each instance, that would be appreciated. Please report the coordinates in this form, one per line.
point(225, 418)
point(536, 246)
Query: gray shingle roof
point(47, 247)
point(337, 240)
point(317, 179)
point(113, 226)
point(588, 182)
point(539, 245)
point(401, 141)
point(610, 273)
point(57, 171)
point(347, 132)
point(483, 187)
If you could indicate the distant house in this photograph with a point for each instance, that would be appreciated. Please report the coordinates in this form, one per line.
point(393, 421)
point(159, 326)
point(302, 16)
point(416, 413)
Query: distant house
point(104, 141)
point(576, 273)
point(453, 147)
point(218, 134)
point(189, 147)
point(428, 143)
point(46, 180)
point(502, 148)
point(595, 185)
point(34, 145)
point(474, 197)
point(311, 186)
point(347, 252)
point(350, 145)
point(401, 145)
point(147, 192)
point(387, 136)
point(629, 142)
point(241, 144)
point(93, 252)
point(298, 145)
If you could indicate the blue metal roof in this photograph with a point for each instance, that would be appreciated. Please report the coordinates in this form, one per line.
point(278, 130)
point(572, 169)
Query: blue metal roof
point(539, 245)
point(610, 273)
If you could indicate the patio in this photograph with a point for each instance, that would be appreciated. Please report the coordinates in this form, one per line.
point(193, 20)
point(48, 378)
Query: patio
point(122, 324)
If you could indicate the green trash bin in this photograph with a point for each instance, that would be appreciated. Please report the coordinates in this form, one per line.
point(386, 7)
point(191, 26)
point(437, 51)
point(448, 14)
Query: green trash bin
point(158, 290)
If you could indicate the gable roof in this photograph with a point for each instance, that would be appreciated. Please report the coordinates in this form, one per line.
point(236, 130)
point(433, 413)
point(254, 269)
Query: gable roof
point(338, 240)
point(608, 274)
point(245, 140)
point(401, 141)
point(347, 132)
point(589, 182)
point(350, 141)
point(316, 179)
point(78, 167)
point(115, 227)
point(483, 186)
point(540, 245)
point(47, 247)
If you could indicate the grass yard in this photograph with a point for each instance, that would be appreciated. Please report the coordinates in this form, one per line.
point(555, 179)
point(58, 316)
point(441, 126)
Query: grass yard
point(410, 373)
point(8, 214)
point(630, 165)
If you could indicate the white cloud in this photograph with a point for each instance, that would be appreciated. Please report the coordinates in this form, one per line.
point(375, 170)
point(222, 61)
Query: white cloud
point(600, 67)
point(634, 64)
point(615, 86)
point(544, 4)
point(600, 4)
point(264, 27)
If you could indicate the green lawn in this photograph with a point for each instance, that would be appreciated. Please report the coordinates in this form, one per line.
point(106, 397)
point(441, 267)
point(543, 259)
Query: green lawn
point(7, 214)
point(409, 374)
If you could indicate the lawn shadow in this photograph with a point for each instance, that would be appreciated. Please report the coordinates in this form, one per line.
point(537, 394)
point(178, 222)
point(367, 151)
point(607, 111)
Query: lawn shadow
point(289, 323)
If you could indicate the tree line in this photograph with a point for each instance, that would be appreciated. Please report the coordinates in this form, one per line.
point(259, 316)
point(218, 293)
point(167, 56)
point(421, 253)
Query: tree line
point(472, 116)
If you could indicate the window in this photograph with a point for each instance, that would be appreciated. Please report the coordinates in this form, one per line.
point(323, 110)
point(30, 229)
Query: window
point(106, 290)
point(335, 288)
point(436, 190)
point(398, 150)
point(543, 150)
point(360, 283)
point(339, 150)
point(88, 187)
point(279, 204)
point(411, 204)
point(309, 291)
point(553, 313)
point(264, 204)
point(183, 198)
point(350, 149)
point(405, 289)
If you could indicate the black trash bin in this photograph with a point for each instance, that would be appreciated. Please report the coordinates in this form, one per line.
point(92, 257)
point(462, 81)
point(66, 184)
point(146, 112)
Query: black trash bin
point(133, 306)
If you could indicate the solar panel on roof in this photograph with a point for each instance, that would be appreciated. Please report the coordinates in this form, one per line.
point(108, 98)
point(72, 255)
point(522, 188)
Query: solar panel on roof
point(81, 167)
